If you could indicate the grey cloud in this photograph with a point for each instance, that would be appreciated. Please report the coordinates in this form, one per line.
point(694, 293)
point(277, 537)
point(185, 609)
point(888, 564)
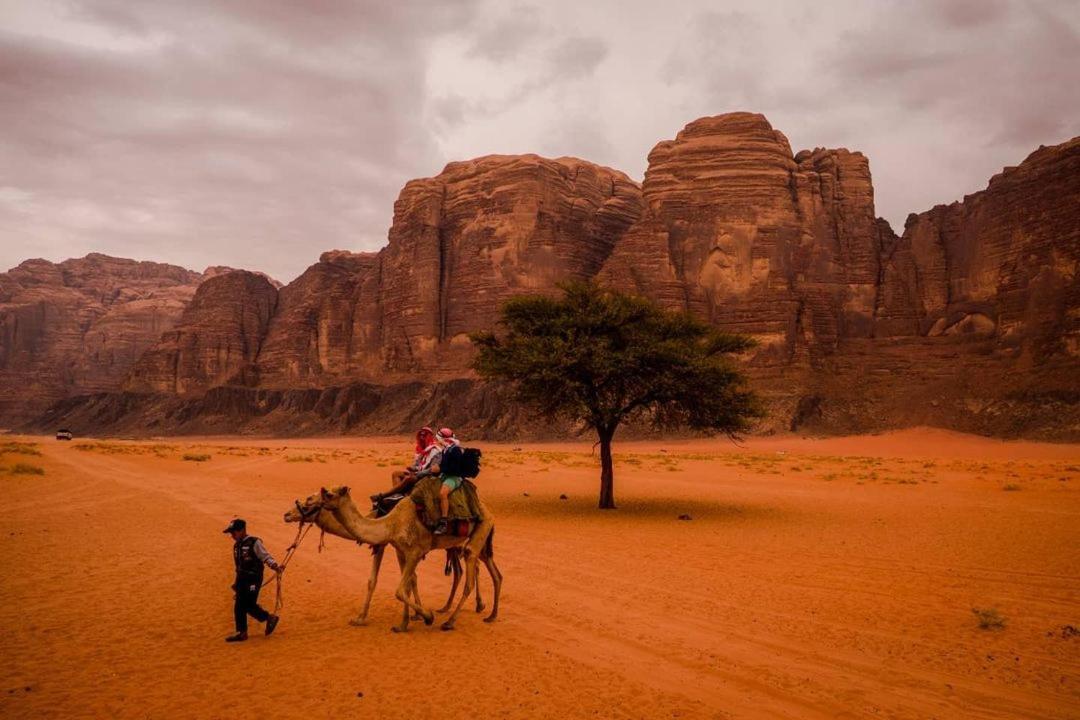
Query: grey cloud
point(508, 36)
point(577, 57)
point(233, 139)
point(261, 132)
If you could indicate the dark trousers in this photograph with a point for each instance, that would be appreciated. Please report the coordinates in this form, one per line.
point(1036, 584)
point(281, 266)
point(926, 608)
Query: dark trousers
point(247, 603)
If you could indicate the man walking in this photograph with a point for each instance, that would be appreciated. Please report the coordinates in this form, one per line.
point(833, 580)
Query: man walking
point(249, 554)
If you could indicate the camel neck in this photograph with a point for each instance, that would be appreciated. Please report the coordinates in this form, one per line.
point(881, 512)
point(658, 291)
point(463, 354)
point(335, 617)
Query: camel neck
point(329, 524)
point(371, 531)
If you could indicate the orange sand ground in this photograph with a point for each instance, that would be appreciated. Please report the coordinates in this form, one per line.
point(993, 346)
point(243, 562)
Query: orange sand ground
point(817, 579)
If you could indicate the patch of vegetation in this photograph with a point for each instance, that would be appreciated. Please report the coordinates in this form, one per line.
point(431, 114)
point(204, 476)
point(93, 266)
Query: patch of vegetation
point(26, 469)
point(1011, 487)
point(300, 458)
point(19, 448)
point(989, 618)
point(196, 457)
point(159, 449)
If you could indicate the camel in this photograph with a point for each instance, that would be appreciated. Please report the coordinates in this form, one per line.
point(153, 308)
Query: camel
point(311, 511)
point(402, 529)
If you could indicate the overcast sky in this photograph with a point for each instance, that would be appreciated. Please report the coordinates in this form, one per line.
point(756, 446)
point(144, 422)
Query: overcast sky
point(258, 133)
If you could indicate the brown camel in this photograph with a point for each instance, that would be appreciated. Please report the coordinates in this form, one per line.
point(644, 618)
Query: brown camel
point(402, 529)
point(311, 511)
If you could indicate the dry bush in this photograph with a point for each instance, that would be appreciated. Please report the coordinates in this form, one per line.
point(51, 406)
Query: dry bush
point(19, 448)
point(1011, 487)
point(196, 457)
point(26, 469)
point(989, 618)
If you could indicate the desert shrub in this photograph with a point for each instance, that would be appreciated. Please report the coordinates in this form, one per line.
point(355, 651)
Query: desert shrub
point(196, 457)
point(989, 618)
point(26, 469)
point(19, 448)
point(305, 458)
point(1011, 487)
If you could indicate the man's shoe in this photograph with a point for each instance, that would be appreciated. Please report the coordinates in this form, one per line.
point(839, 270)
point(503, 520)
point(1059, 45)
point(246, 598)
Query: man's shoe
point(238, 637)
point(271, 623)
point(441, 527)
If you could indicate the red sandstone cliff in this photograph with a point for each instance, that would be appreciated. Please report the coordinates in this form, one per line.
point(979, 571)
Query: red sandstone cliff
point(461, 243)
point(78, 326)
point(755, 239)
point(216, 340)
point(970, 319)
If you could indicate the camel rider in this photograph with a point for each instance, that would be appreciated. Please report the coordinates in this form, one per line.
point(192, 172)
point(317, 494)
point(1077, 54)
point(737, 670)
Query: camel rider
point(427, 454)
point(249, 555)
point(444, 439)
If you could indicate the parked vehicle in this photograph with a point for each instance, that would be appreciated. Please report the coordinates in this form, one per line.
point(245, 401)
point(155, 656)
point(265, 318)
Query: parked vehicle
point(63, 434)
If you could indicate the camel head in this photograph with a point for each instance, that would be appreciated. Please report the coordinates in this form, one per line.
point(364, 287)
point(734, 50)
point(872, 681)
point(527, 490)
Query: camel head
point(331, 499)
point(306, 510)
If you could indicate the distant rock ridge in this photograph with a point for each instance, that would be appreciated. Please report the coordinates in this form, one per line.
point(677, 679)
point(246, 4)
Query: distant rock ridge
point(78, 326)
point(969, 319)
point(216, 340)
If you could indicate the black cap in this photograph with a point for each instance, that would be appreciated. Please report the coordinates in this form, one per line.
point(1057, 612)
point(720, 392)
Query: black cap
point(235, 525)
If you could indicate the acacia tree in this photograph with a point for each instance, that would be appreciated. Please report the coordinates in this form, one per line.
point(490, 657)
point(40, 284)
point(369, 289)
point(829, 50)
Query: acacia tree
point(599, 357)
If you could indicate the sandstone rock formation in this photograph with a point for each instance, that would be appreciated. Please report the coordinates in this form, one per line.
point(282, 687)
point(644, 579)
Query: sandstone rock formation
point(740, 231)
point(461, 243)
point(318, 333)
point(481, 231)
point(1003, 263)
point(216, 340)
point(970, 319)
point(78, 326)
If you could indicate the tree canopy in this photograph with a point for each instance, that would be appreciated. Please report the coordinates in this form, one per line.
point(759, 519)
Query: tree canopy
point(600, 357)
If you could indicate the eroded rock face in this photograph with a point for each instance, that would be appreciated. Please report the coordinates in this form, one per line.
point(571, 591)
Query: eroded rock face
point(740, 231)
point(484, 230)
point(970, 319)
point(318, 334)
point(1005, 262)
point(79, 325)
point(216, 340)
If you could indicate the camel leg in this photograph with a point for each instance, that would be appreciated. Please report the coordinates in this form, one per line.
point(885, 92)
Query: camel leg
point(470, 580)
point(376, 563)
point(415, 588)
point(408, 578)
point(496, 581)
point(479, 599)
point(455, 565)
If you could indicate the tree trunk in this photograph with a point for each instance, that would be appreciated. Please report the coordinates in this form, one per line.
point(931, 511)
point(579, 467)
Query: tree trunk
point(607, 472)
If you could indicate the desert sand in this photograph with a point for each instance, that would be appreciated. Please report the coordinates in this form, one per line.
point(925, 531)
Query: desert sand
point(825, 578)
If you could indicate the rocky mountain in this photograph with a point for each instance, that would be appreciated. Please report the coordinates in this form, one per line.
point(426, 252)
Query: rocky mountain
point(970, 319)
point(217, 338)
point(79, 325)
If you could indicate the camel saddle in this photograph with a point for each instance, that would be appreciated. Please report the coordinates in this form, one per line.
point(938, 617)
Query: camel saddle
point(464, 505)
point(385, 504)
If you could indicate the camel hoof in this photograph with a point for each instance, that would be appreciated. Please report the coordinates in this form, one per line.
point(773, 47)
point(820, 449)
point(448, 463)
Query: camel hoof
point(447, 626)
point(429, 619)
point(480, 607)
point(358, 623)
point(397, 629)
point(489, 619)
